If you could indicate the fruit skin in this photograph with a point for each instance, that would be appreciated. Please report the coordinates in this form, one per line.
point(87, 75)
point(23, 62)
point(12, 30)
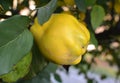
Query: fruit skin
point(19, 70)
point(117, 6)
point(62, 39)
point(69, 2)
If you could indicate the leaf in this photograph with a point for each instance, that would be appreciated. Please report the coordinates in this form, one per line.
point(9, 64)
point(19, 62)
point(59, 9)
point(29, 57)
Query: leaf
point(81, 5)
point(57, 77)
point(51, 67)
point(6, 4)
point(43, 77)
point(19, 70)
point(90, 2)
point(93, 39)
point(38, 62)
point(97, 15)
point(15, 41)
point(45, 12)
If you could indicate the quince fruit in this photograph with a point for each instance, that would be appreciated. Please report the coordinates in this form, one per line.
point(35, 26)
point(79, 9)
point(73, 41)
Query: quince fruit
point(62, 39)
point(19, 70)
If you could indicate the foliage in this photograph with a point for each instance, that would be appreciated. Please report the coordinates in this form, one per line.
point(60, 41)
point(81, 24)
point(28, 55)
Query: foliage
point(100, 16)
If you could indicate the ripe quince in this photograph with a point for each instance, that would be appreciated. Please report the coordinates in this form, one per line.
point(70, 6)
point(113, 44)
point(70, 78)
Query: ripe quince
point(62, 39)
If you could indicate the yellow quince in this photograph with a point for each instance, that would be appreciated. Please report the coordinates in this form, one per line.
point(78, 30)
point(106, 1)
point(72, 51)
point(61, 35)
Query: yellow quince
point(62, 39)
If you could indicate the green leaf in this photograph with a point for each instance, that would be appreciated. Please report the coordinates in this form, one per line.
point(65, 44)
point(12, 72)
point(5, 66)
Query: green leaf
point(6, 4)
point(51, 68)
point(43, 77)
point(57, 77)
point(90, 2)
point(38, 62)
point(97, 15)
point(93, 39)
point(19, 70)
point(15, 41)
point(81, 5)
point(45, 12)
